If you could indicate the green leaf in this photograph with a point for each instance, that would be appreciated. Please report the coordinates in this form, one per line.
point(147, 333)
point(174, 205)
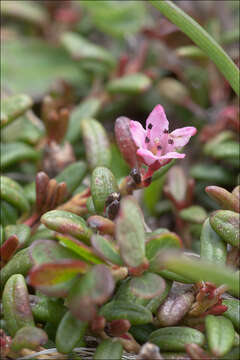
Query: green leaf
point(129, 84)
point(22, 231)
point(200, 270)
point(118, 166)
point(117, 18)
point(20, 263)
point(49, 251)
point(193, 214)
point(211, 173)
point(82, 50)
point(87, 109)
point(28, 337)
point(32, 66)
point(14, 152)
point(108, 349)
point(226, 224)
point(158, 241)
point(8, 213)
point(77, 247)
point(213, 248)
point(226, 150)
point(164, 169)
point(13, 193)
point(103, 184)
point(28, 11)
point(220, 334)
point(14, 106)
point(148, 285)
point(45, 309)
point(67, 222)
point(16, 309)
point(174, 338)
point(69, 332)
point(106, 249)
point(233, 311)
point(135, 313)
point(202, 39)
point(152, 194)
point(96, 142)
point(130, 232)
point(23, 129)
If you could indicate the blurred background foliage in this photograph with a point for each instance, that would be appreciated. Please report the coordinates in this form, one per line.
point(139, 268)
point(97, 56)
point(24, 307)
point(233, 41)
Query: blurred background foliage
point(105, 59)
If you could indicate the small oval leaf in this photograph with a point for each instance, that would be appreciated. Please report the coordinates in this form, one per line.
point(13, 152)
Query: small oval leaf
point(226, 223)
point(213, 248)
point(148, 285)
point(16, 308)
point(174, 338)
point(29, 337)
point(220, 334)
point(130, 232)
point(67, 222)
point(129, 84)
point(103, 183)
point(96, 142)
point(135, 313)
point(106, 249)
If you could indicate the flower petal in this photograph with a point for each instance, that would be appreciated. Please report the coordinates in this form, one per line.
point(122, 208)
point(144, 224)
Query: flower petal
point(147, 156)
point(138, 133)
point(156, 123)
point(172, 155)
point(182, 136)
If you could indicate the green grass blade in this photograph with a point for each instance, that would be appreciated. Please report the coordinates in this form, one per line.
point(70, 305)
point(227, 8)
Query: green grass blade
point(201, 38)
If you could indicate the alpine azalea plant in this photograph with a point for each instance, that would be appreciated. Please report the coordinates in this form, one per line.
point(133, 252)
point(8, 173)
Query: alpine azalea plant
point(109, 247)
point(156, 146)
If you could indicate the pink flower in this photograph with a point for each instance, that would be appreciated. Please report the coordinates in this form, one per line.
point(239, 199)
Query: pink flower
point(156, 146)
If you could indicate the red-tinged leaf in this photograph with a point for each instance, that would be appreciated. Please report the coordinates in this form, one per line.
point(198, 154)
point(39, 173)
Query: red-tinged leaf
point(92, 289)
point(55, 273)
point(48, 251)
point(223, 197)
point(9, 247)
point(29, 337)
point(102, 224)
point(125, 141)
point(176, 188)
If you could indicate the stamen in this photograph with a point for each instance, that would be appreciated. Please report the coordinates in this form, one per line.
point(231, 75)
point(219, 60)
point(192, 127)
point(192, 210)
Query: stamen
point(165, 131)
point(150, 126)
point(170, 141)
point(147, 140)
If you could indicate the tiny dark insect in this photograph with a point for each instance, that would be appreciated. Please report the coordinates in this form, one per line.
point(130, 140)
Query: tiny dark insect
point(112, 209)
point(136, 176)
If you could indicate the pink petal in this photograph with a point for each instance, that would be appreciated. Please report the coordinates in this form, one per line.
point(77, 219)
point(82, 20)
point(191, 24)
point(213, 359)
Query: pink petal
point(172, 155)
point(138, 133)
point(182, 136)
point(147, 156)
point(156, 123)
